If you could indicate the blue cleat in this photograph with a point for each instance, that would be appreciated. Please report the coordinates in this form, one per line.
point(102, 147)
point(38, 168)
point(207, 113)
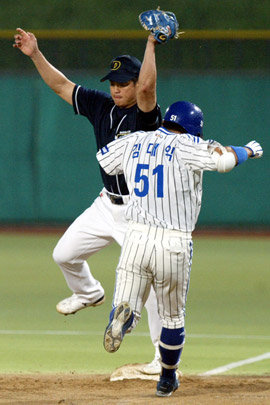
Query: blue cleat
point(121, 319)
point(166, 386)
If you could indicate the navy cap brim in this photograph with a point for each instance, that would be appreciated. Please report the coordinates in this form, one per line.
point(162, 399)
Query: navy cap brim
point(119, 77)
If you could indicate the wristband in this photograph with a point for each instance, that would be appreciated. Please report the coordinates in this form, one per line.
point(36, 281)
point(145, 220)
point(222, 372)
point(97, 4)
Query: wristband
point(241, 154)
point(252, 151)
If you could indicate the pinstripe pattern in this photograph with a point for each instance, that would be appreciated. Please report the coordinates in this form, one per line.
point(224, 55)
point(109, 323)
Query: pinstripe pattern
point(163, 171)
point(182, 159)
point(158, 256)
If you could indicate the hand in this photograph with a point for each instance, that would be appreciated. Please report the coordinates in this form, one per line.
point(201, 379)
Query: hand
point(152, 39)
point(256, 149)
point(26, 42)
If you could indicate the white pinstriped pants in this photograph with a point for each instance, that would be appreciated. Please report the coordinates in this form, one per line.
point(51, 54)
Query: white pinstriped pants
point(160, 257)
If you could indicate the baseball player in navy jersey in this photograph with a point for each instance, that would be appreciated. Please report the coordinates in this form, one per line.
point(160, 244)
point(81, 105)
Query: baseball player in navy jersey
point(130, 106)
point(164, 172)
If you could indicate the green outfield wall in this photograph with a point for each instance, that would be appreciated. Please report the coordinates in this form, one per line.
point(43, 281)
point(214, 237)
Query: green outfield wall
point(49, 172)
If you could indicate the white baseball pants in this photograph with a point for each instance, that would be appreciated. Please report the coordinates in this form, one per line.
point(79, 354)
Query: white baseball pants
point(98, 226)
point(160, 257)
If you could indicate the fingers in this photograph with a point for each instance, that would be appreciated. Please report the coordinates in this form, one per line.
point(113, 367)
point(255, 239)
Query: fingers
point(22, 38)
point(20, 31)
point(18, 37)
point(255, 149)
point(22, 34)
point(18, 41)
point(258, 151)
point(31, 35)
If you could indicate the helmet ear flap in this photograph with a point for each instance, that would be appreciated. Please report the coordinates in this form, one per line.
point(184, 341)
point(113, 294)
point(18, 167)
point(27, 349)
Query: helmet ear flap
point(186, 115)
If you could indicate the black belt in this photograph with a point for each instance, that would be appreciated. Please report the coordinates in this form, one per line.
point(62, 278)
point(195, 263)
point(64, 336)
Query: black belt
point(115, 199)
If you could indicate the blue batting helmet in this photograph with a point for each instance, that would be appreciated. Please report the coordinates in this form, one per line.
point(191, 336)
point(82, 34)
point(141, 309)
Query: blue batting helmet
point(187, 115)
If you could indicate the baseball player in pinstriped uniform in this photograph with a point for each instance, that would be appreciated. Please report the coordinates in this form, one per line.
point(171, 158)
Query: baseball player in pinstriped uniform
point(164, 172)
point(130, 106)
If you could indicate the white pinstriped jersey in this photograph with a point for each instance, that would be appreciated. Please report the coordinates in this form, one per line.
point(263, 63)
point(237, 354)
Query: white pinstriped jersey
point(164, 172)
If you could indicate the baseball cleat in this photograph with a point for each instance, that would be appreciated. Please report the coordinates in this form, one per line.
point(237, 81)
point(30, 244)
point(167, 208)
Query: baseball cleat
point(73, 304)
point(166, 386)
point(152, 368)
point(121, 319)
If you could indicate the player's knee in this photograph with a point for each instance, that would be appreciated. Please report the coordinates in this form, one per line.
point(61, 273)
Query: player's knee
point(57, 256)
point(60, 256)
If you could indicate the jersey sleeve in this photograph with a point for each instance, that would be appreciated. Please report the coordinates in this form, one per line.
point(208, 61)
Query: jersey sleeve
point(197, 153)
point(88, 102)
point(110, 157)
point(149, 121)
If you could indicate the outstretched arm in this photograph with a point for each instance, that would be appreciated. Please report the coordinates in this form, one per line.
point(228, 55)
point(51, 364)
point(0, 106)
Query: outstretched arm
point(226, 158)
point(146, 86)
point(57, 81)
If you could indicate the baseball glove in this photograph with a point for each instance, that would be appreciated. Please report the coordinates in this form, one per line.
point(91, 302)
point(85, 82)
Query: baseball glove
point(162, 24)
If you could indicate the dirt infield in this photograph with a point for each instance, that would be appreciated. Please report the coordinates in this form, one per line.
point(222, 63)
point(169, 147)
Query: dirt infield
point(99, 390)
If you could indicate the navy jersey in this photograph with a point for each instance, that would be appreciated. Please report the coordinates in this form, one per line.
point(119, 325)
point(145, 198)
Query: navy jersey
point(110, 122)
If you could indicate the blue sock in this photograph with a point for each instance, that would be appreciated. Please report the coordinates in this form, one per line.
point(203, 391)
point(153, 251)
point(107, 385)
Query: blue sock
point(170, 347)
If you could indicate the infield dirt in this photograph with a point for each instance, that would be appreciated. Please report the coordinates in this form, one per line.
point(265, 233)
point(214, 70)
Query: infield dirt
point(99, 390)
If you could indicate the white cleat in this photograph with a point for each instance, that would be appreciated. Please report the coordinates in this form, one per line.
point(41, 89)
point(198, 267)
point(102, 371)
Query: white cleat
point(152, 368)
point(73, 304)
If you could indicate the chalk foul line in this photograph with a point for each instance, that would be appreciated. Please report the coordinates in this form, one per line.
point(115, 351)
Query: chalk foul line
point(230, 366)
point(135, 334)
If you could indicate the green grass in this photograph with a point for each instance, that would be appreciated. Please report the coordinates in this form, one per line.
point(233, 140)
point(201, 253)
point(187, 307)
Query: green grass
point(227, 310)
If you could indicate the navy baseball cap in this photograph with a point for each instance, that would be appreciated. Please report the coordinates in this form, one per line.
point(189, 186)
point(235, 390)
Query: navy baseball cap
point(123, 68)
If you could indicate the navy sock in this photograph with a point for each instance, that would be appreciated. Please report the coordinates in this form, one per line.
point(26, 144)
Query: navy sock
point(170, 347)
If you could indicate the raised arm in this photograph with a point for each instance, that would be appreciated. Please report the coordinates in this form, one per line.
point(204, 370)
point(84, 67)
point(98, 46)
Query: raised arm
point(163, 26)
point(146, 86)
point(57, 81)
